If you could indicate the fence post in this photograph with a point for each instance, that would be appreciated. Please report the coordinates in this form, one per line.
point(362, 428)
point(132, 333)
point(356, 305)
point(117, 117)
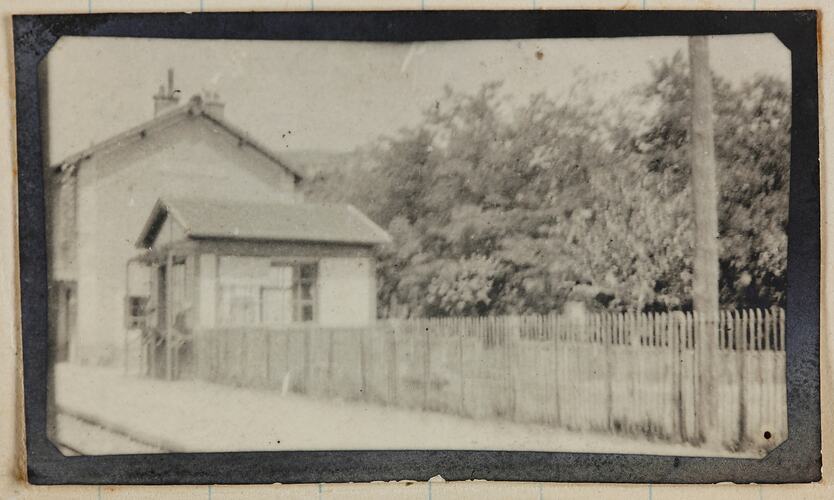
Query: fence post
point(693, 374)
point(554, 328)
point(240, 362)
point(783, 394)
point(768, 343)
point(287, 357)
point(462, 409)
point(678, 374)
point(224, 353)
point(608, 336)
point(511, 337)
point(363, 381)
point(393, 375)
point(267, 349)
point(307, 366)
point(426, 364)
point(760, 344)
point(741, 352)
point(781, 329)
point(329, 361)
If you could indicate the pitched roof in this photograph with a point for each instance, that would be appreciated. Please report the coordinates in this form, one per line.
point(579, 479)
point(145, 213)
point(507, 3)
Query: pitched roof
point(270, 221)
point(194, 107)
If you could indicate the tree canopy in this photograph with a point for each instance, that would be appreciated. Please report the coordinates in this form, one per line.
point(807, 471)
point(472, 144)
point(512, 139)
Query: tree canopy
point(497, 206)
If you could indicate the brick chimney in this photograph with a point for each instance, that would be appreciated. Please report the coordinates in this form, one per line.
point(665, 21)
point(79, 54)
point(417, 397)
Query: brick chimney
point(166, 99)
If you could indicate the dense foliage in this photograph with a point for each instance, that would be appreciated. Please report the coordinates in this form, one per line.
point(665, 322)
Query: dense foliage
point(500, 207)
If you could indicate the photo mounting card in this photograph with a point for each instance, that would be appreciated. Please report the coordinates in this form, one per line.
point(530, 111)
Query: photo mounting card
point(357, 246)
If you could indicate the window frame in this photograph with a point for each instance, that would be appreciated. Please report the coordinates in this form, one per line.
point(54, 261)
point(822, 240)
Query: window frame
point(297, 282)
point(136, 321)
point(299, 302)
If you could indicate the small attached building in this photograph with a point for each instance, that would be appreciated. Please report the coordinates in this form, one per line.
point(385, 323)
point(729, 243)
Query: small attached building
point(227, 264)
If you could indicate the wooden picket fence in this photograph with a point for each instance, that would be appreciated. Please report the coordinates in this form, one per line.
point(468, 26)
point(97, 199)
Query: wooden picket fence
point(628, 373)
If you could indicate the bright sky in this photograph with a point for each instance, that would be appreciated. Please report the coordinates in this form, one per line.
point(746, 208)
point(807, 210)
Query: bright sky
point(339, 95)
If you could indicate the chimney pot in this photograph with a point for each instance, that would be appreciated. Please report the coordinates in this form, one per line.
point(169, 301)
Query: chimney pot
point(212, 104)
point(165, 100)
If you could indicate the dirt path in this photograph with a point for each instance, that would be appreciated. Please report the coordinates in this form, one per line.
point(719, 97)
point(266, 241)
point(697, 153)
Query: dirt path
point(193, 416)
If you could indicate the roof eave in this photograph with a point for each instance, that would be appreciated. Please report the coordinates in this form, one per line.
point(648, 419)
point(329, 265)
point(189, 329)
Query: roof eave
point(384, 236)
point(265, 239)
point(145, 240)
point(258, 146)
point(161, 210)
point(130, 133)
point(190, 108)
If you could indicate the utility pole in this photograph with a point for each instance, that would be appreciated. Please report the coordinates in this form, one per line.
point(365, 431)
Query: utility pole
point(705, 199)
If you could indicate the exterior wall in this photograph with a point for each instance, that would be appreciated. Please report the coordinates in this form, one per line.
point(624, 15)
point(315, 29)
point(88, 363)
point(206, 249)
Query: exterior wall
point(206, 290)
point(332, 255)
point(62, 263)
point(61, 224)
point(346, 285)
point(347, 291)
point(116, 192)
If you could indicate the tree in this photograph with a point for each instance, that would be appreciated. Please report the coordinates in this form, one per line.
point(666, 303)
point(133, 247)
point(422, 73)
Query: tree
point(499, 206)
point(752, 149)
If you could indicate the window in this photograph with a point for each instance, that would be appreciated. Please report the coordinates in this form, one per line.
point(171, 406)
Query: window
point(276, 297)
point(137, 295)
point(135, 309)
point(268, 292)
point(306, 292)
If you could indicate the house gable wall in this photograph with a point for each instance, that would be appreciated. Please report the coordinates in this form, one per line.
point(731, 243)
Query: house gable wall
point(170, 232)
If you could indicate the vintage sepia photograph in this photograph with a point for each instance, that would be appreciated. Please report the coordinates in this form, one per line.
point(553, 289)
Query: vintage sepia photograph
point(558, 245)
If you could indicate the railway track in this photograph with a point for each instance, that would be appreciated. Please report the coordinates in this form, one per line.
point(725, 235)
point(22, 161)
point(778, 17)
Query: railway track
point(80, 435)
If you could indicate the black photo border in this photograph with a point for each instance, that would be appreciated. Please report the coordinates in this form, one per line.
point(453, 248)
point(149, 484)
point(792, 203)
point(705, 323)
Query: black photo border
point(797, 460)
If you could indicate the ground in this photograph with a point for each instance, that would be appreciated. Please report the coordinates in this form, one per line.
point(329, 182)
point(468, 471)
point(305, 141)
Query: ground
point(104, 411)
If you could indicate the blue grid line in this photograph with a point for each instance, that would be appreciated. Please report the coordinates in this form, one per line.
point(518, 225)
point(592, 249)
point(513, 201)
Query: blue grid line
point(312, 4)
point(89, 6)
point(98, 492)
point(201, 5)
point(650, 491)
point(209, 486)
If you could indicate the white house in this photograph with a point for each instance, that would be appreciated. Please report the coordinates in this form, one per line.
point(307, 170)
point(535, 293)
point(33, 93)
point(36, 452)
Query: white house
point(99, 201)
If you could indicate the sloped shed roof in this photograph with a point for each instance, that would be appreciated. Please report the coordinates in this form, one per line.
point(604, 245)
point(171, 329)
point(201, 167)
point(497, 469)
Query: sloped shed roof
point(270, 221)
